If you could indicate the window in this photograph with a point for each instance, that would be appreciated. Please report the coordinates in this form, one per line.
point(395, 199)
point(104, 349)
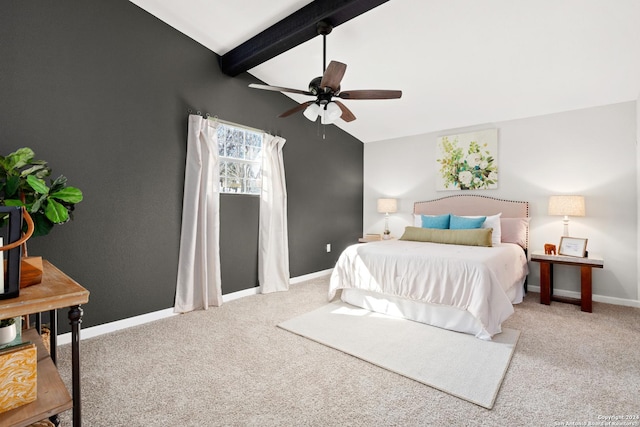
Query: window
point(240, 152)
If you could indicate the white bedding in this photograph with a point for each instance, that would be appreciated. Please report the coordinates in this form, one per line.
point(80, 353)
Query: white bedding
point(475, 279)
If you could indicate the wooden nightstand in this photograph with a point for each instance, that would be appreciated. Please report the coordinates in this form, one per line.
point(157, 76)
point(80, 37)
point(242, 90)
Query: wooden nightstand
point(546, 277)
point(370, 238)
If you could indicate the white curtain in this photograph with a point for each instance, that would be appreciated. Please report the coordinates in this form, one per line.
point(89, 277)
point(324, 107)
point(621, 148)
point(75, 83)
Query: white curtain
point(273, 252)
point(198, 285)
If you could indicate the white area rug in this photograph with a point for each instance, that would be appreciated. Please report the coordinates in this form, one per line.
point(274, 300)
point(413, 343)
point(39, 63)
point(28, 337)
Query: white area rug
point(456, 363)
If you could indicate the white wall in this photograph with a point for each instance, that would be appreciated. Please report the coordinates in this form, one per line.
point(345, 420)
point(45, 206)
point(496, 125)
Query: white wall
point(590, 152)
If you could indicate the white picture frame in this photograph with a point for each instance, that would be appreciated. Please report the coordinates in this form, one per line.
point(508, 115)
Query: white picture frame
point(573, 246)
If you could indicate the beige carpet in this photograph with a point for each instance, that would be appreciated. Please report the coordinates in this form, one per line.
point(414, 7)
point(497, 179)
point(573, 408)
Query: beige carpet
point(232, 366)
point(458, 364)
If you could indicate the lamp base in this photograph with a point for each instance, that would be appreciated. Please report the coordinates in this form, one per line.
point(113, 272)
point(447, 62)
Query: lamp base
point(565, 222)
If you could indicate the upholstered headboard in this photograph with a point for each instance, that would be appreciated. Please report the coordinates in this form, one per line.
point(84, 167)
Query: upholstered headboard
point(472, 204)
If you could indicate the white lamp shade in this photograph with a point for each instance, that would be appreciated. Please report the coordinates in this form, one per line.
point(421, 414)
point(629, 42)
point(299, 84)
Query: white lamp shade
point(387, 205)
point(567, 205)
point(331, 113)
point(312, 111)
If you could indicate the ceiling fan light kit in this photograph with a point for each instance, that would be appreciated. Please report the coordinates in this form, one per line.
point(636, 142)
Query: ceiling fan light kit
point(330, 113)
point(312, 112)
point(326, 87)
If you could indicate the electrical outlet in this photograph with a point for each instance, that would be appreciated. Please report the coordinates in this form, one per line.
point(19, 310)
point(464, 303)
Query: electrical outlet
point(328, 247)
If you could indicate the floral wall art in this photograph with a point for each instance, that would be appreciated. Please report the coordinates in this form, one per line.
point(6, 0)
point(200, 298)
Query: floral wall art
point(468, 161)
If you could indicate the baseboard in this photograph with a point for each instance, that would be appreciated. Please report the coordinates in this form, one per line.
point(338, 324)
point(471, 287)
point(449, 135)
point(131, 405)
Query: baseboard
point(595, 297)
point(95, 331)
point(240, 294)
point(311, 276)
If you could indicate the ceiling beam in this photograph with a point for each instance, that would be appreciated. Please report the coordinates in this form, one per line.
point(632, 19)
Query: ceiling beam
point(292, 31)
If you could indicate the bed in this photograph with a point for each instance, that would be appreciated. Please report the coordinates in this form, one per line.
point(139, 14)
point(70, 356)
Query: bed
point(460, 287)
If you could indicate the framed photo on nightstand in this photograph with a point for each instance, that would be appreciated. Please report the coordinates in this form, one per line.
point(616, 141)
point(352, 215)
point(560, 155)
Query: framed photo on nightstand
point(573, 246)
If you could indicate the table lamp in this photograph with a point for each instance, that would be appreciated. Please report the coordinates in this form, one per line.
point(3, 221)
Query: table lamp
point(387, 206)
point(566, 206)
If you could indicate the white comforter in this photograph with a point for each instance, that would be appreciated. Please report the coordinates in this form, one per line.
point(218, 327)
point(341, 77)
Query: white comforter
point(471, 278)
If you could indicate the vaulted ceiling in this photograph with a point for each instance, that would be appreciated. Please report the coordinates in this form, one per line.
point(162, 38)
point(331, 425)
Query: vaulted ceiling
point(458, 62)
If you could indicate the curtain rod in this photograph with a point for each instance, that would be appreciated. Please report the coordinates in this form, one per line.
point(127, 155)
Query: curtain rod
point(226, 122)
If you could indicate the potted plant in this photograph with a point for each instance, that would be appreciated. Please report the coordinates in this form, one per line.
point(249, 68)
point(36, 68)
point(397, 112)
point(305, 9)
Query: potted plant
point(22, 183)
point(7, 330)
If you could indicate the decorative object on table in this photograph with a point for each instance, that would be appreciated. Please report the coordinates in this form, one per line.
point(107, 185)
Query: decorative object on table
point(10, 277)
point(566, 205)
point(549, 249)
point(22, 183)
point(45, 334)
point(43, 423)
point(18, 375)
point(8, 331)
point(468, 161)
point(387, 206)
point(573, 246)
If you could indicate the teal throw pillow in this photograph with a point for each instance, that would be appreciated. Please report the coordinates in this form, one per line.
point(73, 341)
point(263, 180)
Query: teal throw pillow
point(465, 223)
point(435, 221)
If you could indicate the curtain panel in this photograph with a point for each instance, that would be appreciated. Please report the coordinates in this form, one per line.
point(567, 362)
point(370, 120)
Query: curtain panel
point(273, 240)
point(198, 283)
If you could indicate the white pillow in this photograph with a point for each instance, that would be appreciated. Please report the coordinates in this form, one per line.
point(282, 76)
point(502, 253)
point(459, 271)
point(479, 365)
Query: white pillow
point(417, 220)
point(492, 221)
point(432, 221)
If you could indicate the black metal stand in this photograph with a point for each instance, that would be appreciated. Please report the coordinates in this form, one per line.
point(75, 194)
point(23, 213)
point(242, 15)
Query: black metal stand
point(75, 319)
point(53, 329)
point(53, 349)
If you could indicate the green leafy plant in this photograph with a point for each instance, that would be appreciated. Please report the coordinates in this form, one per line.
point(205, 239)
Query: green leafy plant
point(22, 183)
point(7, 322)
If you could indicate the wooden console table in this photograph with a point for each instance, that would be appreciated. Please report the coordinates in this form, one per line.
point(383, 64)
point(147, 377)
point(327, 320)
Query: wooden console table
point(546, 277)
point(57, 290)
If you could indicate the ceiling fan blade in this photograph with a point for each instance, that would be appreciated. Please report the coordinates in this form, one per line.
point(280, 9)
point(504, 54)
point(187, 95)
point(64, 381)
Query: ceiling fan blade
point(370, 94)
point(333, 75)
point(347, 115)
point(280, 89)
point(297, 108)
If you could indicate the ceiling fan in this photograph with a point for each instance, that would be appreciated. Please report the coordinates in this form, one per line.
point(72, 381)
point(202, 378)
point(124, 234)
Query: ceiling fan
point(327, 87)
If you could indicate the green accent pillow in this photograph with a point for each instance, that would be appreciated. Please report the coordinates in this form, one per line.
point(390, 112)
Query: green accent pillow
point(469, 237)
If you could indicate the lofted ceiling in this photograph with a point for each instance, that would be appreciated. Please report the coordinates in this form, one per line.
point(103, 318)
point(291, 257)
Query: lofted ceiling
point(458, 62)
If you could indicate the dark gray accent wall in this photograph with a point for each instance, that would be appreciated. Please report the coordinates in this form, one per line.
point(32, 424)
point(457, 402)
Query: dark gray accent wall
point(101, 89)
